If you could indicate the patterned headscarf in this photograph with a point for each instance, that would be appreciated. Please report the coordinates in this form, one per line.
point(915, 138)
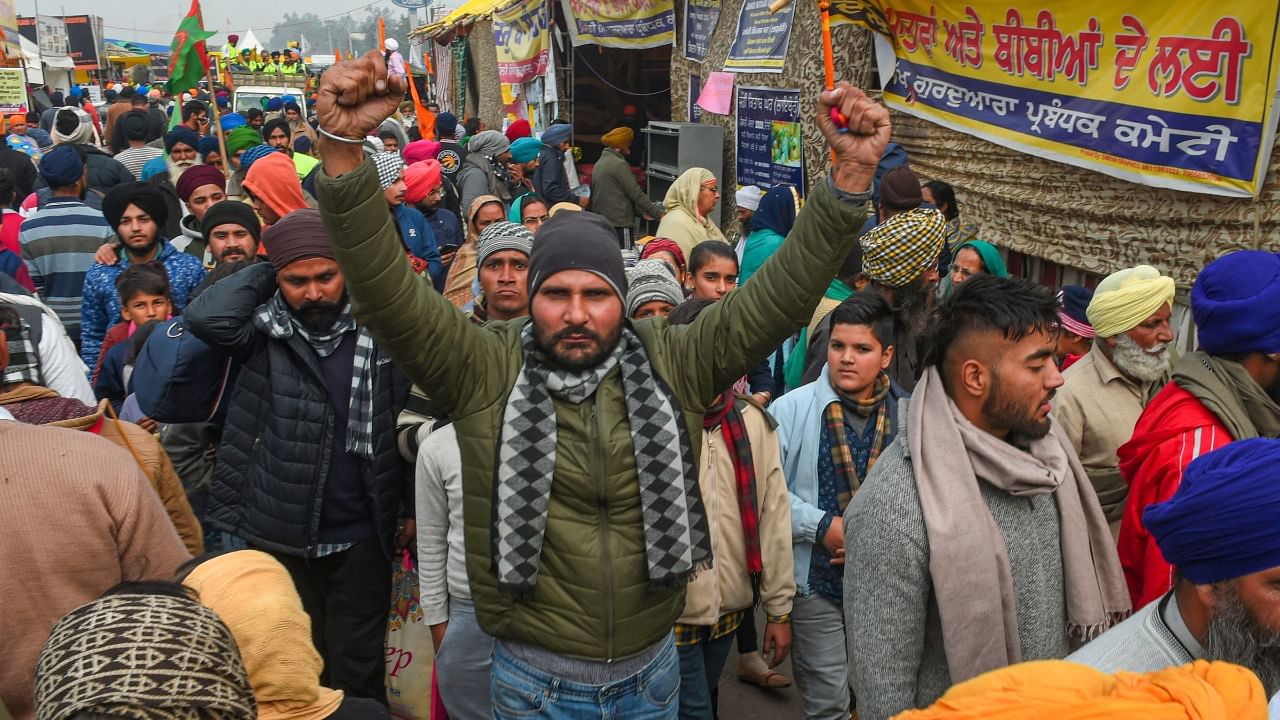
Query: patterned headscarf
point(24, 359)
point(900, 249)
point(390, 165)
point(147, 657)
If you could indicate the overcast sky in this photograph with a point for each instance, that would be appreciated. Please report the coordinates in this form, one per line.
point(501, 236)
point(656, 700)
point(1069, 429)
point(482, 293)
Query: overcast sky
point(153, 21)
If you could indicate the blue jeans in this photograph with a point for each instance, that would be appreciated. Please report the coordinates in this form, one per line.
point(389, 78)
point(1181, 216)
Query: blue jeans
point(700, 668)
point(521, 691)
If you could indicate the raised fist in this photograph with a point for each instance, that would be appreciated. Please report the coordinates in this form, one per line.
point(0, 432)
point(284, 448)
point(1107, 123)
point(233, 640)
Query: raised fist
point(357, 95)
point(858, 151)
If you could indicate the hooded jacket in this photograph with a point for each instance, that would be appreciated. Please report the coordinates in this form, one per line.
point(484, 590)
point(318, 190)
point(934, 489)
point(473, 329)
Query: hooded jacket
point(592, 598)
point(682, 222)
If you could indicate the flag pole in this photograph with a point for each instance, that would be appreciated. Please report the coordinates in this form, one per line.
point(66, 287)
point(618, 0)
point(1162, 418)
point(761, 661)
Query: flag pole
point(217, 122)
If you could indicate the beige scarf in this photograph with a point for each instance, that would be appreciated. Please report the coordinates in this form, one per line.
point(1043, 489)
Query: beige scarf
point(968, 560)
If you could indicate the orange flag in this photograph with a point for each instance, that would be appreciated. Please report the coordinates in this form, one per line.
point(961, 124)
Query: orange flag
point(382, 34)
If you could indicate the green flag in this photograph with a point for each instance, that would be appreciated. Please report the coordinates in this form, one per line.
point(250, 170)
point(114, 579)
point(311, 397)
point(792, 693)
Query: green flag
point(187, 56)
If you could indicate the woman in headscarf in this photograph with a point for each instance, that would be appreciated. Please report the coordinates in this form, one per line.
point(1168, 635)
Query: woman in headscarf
point(255, 597)
point(460, 283)
point(529, 210)
point(770, 225)
point(968, 259)
point(484, 170)
point(666, 250)
point(689, 201)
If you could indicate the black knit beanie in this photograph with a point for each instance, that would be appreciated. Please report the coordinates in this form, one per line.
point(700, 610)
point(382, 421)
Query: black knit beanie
point(577, 241)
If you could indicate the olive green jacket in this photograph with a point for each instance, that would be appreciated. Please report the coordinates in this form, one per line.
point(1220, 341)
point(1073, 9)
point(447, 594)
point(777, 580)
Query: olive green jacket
point(591, 598)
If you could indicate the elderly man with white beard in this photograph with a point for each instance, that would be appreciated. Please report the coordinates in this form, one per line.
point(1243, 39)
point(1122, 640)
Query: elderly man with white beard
point(1105, 391)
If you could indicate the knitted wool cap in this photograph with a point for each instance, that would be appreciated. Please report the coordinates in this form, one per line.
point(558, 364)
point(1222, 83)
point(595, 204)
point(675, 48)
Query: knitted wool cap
point(577, 241)
point(503, 236)
point(651, 280)
point(254, 153)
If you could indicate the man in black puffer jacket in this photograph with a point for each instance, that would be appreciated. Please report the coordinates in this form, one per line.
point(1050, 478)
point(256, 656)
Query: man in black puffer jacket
point(308, 468)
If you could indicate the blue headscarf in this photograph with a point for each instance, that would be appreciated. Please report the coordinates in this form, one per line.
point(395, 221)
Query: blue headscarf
point(777, 211)
point(253, 154)
point(1221, 523)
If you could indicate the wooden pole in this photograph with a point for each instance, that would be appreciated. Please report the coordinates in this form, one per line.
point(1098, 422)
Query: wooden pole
point(216, 121)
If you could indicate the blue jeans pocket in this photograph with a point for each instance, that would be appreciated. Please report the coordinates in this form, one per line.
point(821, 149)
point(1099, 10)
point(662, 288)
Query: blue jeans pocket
point(663, 683)
point(512, 701)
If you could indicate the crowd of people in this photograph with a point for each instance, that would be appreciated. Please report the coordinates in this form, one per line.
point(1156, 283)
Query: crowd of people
point(310, 342)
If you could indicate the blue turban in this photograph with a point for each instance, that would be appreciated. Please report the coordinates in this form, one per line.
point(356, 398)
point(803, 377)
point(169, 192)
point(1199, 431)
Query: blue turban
point(61, 166)
point(231, 121)
point(274, 104)
point(525, 149)
point(1221, 523)
point(446, 124)
point(557, 134)
point(1234, 303)
point(254, 153)
point(208, 144)
point(181, 134)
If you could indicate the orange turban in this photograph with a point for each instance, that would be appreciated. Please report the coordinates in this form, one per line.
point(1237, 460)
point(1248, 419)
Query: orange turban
point(619, 138)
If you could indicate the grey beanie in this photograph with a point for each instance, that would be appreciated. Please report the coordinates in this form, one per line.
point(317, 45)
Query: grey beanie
point(503, 236)
point(577, 241)
point(651, 280)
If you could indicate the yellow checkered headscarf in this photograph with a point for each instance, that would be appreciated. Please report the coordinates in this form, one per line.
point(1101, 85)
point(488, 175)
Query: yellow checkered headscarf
point(900, 249)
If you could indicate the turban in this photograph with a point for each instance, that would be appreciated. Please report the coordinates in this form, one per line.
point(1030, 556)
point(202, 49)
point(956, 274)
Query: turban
point(577, 241)
point(1221, 523)
point(1234, 303)
point(390, 166)
point(302, 144)
point(255, 153)
point(274, 104)
point(1072, 302)
point(900, 249)
point(61, 166)
point(651, 280)
point(233, 39)
point(111, 95)
point(392, 44)
point(489, 143)
point(748, 198)
point(242, 138)
point(255, 596)
point(619, 138)
point(208, 144)
point(446, 125)
point(900, 189)
point(291, 105)
point(1127, 297)
point(231, 121)
point(525, 149)
point(199, 176)
point(503, 236)
point(564, 207)
point(134, 125)
point(146, 197)
point(1069, 691)
point(271, 125)
point(557, 134)
point(298, 236)
point(73, 126)
point(181, 134)
point(420, 179)
point(658, 245)
point(420, 150)
point(232, 213)
point(518, 129)
point(126, 655)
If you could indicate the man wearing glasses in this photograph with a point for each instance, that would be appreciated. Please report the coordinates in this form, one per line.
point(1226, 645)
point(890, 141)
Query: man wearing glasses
point(424, 189)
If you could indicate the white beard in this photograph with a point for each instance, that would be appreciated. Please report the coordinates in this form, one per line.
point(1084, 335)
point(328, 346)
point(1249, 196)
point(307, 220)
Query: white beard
point(1141, 364)
point(176, 169)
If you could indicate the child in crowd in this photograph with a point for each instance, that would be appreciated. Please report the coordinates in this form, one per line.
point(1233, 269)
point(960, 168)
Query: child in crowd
point(144, 297)
point(832, 431)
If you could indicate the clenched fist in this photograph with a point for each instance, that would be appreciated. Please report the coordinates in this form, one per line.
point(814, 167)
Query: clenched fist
point(858, 151)
point(354, 98)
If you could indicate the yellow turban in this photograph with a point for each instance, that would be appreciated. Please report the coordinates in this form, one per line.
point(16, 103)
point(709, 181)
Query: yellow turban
point(1127, 297)
point(255, 596)
point(619, 137)
point(902, 248)
point(1067, 691)
point(564, 207)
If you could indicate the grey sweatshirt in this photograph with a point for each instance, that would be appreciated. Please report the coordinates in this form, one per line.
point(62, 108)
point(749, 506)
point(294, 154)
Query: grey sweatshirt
point(896, 656)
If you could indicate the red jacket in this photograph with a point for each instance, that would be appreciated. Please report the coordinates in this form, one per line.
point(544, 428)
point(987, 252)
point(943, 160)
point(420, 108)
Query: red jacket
point(1174, 429)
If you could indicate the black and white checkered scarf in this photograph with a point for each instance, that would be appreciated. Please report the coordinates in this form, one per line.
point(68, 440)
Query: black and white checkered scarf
point(276, 319)
point(24, 358)
point(677, 542)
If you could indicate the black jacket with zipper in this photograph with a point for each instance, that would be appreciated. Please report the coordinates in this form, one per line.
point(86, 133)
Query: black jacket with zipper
point(274, 459)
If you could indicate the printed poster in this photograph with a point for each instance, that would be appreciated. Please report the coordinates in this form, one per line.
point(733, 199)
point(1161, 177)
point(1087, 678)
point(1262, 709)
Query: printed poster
point(700, 17)
point(82, 43)
point(12, 45)
point(520, 31)
point(762, 39)
point(1174, 95)
point(13, 90)
point(770, 146)
point(634, 24)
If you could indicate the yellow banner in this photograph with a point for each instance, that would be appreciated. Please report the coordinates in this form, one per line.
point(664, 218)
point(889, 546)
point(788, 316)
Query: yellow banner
point(631, 24)
point(521, 35)
point(1176, 95)
point(10, 46)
